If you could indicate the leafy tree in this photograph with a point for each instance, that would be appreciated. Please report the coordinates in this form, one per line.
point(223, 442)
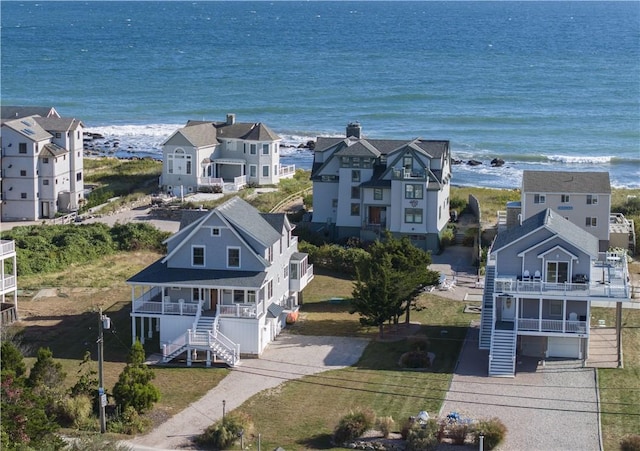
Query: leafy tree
point(134, 387)
point(46, 372)
point(11, 360)
point(87, 383)
point(389, 281)
point(24, 421)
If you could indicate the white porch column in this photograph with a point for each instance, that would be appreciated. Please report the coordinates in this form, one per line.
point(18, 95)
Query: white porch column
point(208, 358)
point(133, 297)
point(564, 315)
point(133, 330)
point(150, 333)
point(539, 314)
point(188, 356)
point(142, 330)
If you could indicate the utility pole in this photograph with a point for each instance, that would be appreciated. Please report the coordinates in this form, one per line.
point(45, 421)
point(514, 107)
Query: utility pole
point(103, 323)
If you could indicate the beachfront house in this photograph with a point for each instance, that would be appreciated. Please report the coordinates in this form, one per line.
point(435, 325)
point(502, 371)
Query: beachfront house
point(541, 277)
point(229, 282)
point(42, 164)
point(583, 198)
point(205, 154)
point(363, 186)
point(8, 283)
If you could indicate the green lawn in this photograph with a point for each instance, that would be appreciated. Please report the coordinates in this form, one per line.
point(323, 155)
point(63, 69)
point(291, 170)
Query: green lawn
point(620, 387)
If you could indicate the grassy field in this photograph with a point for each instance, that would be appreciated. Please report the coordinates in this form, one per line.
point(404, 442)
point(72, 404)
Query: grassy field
point(620, 387)
point(376, 382)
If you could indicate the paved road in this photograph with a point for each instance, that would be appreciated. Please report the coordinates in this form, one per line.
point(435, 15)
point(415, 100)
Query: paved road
point(288, 357)
point(551, 407)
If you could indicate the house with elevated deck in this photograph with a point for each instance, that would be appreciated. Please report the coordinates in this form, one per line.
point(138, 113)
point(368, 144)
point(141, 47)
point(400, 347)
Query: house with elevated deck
point(364, 186)
point(231, 279)
point(225, 154)
point(541, 277)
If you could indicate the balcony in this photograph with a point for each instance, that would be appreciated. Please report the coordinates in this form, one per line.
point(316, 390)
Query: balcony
point(552, 325)
point(7, 284)
point(408, 174)
point(246, 310)
point(7, 248)
point(298, 284)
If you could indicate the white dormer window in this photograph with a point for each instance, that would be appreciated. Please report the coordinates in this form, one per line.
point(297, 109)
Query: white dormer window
point(197, 255)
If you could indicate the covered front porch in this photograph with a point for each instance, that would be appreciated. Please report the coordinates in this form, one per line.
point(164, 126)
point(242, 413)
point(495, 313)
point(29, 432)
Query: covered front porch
point(542, 316)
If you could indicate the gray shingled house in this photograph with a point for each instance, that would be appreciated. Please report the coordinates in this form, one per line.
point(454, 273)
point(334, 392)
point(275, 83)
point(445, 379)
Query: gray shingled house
point(230, 280)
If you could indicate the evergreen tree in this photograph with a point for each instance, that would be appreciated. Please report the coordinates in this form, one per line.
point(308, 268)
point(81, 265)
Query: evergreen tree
point(388, 283)
point(134, 387)
point(87, 383)
point(11, 360)
point(46, 372)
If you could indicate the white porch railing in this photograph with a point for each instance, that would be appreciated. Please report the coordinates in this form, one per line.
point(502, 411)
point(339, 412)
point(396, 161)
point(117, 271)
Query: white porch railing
point(561, 289)
point(176, 345)
point(210, 181)
point(7, 283)
point(552, 325)
point(287, 170)
point(239, 310)
point(7, 247)
point(165, 308)
point(215, 336)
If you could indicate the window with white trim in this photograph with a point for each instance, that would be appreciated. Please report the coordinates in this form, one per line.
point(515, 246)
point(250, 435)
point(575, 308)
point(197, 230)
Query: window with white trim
point(197, 255)
point(591, 222)
point(265, 171)
point(377, 193)
point(254, 149)
point(253, 170)
point(413, 215)
point(592, 199)
point(215, 231)
point(413, 191)
point(355, 175)
point(539, 198)
point(564, 198)
point(233, 257)
point(179, 163)
point(265, 149)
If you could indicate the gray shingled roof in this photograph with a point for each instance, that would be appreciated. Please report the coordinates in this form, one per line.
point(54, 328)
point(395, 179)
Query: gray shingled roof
point(555, 224)
point(359, 149)
point(53, 150)
point(57, 124)
point(28, 127)
point(247, 220)
point(9, 112)
point(202, 134)
point(277, 220)
point(565, 182)
point(159, 274)
point(190, 216)
point(245, 130)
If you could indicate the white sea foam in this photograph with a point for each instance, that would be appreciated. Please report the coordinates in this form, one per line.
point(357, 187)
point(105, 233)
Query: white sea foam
point(580, 159)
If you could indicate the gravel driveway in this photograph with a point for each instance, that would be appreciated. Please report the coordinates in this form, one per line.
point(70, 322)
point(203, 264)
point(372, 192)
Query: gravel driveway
point(554, 407)
point(288, 357)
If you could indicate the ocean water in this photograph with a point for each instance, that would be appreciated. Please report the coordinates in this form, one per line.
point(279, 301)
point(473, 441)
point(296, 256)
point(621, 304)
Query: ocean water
point(541, 85)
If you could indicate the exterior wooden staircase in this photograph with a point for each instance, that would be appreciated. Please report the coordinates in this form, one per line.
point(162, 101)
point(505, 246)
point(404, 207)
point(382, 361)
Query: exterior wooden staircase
point(502, 356)
point(204, 336)
point(486, 316)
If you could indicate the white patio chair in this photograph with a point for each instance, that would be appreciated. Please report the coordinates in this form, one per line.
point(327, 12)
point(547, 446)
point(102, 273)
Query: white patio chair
point(573, 316)
point(526, 276)
point(537, 277)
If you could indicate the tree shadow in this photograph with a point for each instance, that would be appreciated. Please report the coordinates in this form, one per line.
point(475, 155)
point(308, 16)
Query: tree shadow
point(318, 441)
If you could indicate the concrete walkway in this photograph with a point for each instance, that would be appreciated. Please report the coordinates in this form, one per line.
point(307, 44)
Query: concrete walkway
point(550, 407)
point(288, 357)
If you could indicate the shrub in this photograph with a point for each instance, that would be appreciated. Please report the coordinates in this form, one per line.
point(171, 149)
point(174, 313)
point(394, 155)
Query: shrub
point(134, 387)
point(385, 424)
point(418, 343)
point(353, 425)
point(128, 422)
point(457, 432)
point(224, 433)
point(75, 411)
point(447, 237)
point(423, 437)
point(493, 431)
point(630, 442)
point(415, 359)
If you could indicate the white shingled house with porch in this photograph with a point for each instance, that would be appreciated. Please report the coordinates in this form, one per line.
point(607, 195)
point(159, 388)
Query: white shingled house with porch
point(229, 282)
point(226, 154)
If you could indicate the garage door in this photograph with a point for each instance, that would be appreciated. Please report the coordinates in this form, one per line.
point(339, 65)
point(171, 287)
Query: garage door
point(564, 347)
